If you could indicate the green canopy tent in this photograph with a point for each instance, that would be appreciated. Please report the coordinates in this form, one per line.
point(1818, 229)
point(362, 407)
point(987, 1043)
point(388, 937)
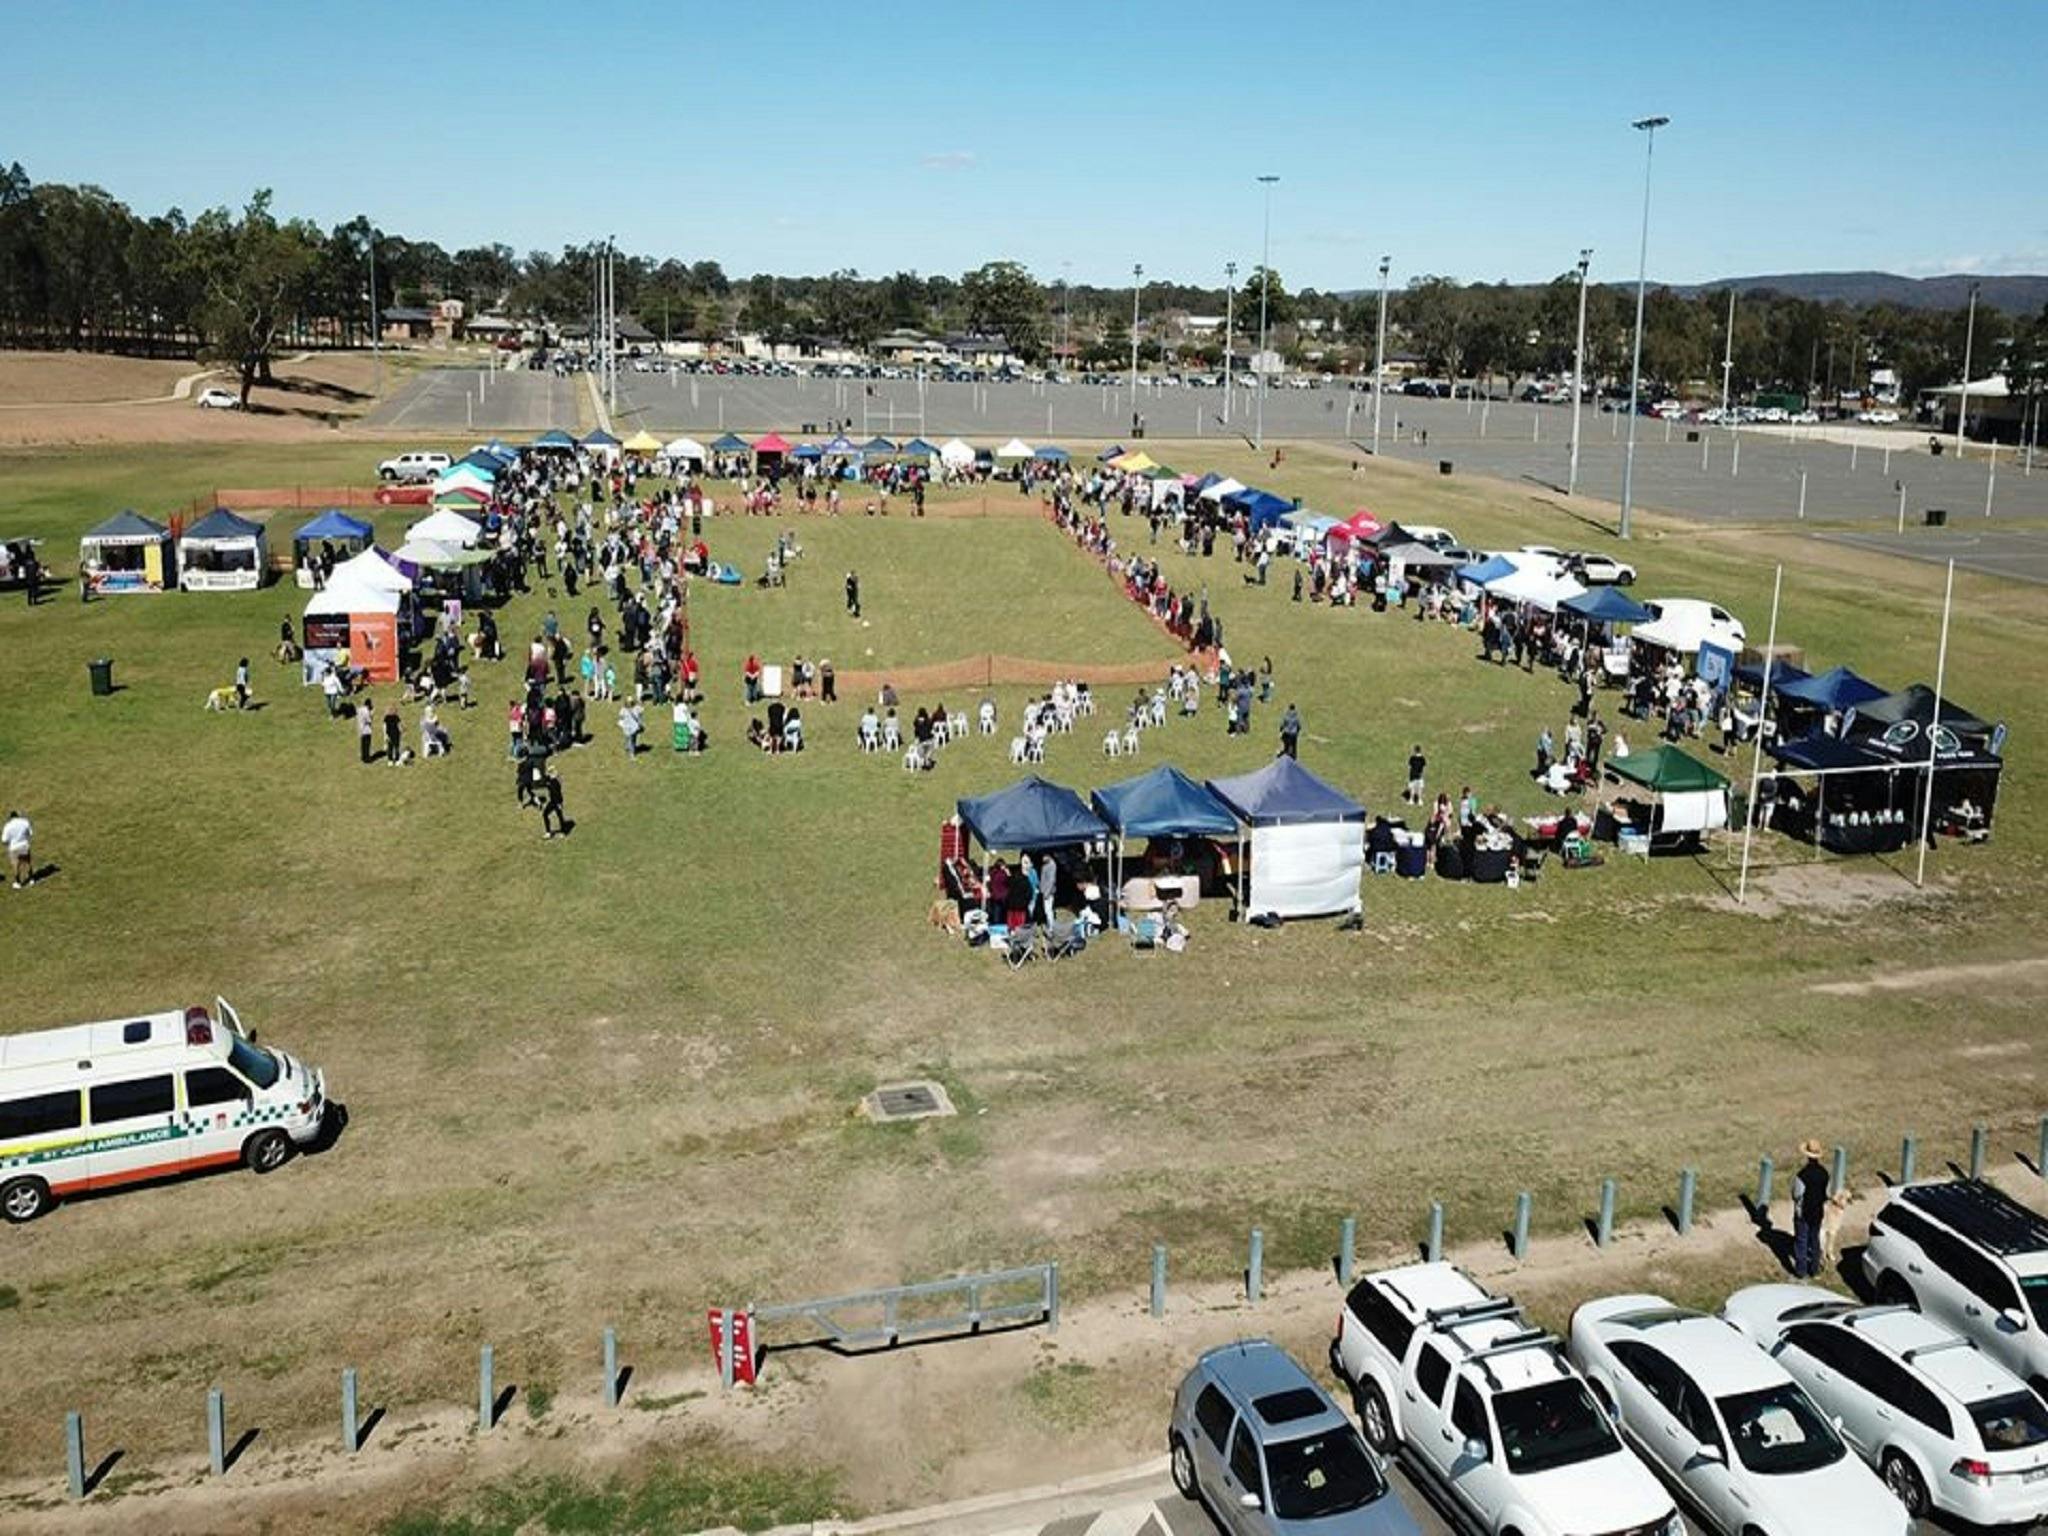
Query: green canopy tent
point(1687, 796)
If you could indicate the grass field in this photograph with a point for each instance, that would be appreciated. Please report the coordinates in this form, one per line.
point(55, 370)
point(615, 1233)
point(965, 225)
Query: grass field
point(612, 1078)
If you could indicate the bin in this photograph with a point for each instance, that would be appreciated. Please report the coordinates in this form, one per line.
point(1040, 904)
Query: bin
point(1443, 466)
point(1936, 517)
point(1692, 437)
point(102, 670)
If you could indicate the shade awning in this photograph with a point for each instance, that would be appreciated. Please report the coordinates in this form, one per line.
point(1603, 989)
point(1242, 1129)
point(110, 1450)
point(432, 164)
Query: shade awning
point(1836, 688)
point(1667, 770)
point(1051, 453)
point(774, 442)
point(685, 448)
point(1417, 557)
point(1605, 605)
point(1284, 793)
point(732, 442)
point(334, 525)
point(1032, 813)
point(1163, 803)
point(599, 439)
point(131, 526)
point(221, 524)
point(446, 526)
point(1015, 448)
point(642, 441)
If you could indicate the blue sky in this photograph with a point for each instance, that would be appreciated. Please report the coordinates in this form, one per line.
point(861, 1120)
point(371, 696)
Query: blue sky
point(1484, 141)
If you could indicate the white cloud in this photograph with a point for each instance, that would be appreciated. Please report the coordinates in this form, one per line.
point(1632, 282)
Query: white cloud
point(947, 160)
point(2021, 262)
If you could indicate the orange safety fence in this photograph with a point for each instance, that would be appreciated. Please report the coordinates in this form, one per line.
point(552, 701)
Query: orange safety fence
point(991, 670)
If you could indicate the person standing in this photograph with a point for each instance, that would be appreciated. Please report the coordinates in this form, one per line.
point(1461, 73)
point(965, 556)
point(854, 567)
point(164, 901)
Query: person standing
point(1809, 1206)
point(394, 735)
point(1290, 732)
point(16, 836)
point(366, 730)
point(1049, 886)
point(552, 822)
point(629, 727)
point(1546, 751)
point(242, 683)
point(1417, 764)
point(853, 594)
point(32, 577)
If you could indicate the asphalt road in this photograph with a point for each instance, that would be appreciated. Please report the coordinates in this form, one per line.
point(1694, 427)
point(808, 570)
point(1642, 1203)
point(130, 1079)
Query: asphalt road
point(444, 400)
point(2021, 553)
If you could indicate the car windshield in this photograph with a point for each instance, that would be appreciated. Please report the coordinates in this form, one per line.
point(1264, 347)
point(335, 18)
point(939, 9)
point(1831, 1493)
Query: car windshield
point(1320, 1475)
point(1778, 1431)
point(2012, 1422)
point(1553, 1425)
point(252, 1061)
point(2035, 1289)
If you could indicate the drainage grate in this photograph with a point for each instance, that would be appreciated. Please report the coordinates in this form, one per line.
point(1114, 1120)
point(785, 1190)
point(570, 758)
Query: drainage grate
point(907, 1101)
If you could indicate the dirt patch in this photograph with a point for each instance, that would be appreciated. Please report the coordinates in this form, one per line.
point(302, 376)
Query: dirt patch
point(75, 378)
point(1828, 891)
point(2029, 973)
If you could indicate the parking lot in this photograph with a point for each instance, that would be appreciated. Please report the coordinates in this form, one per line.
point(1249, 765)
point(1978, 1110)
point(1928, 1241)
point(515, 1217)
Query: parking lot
point(441, 400)
point(2020, 553)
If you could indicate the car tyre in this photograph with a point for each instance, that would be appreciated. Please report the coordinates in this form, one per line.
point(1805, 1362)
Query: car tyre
point(1182, 1461)
point(1626, 579)
point(1906, 1484)
point(1374, 1417)
point(267, 1151)
point(24, 1200)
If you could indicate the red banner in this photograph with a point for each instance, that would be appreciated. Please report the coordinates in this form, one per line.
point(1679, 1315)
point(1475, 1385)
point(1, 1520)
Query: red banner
point(742, 1344)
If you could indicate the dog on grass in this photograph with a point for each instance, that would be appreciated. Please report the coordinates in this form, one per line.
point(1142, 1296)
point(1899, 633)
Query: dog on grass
point(224, 698)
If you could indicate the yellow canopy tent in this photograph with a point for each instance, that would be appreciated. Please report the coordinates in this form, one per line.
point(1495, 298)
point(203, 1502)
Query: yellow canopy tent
point(642, 441)
point(1135, 462)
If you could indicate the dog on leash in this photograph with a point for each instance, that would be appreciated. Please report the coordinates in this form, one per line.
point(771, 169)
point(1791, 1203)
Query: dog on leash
point(1831, 1227)
point(224, 698)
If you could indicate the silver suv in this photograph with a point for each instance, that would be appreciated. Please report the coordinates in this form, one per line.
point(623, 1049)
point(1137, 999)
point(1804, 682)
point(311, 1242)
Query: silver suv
point(1967, 1253)
point(1257, 1441)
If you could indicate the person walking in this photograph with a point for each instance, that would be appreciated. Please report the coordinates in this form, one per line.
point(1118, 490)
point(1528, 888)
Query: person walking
point(1417, 763)
point(366, 730)
point(552, 822)
point(853, 594)
point(629, 727)
point(1809, 1206)
point(394, 735)
point(242, 683)
point(16, 836)
point(1290, 732)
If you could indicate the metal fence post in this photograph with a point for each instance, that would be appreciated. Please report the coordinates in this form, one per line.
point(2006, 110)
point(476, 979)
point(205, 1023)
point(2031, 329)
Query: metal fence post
point(1909, 1159)
point(1518, 1245)
point(1159, 1279)
point(611, 1367)
point(1255, 1267)
point(74, 1452)
point(1435, 1248)
point(217, 1431)
point(1765, 1170)
point(1347, 1249)
point(1052, 1296)
point(2041, 1152)
point(1979, 1137)
point(725, 1347)
point(1604, 1232)
point(351, 1426)
point(1838, 1177)
point(486, 1389)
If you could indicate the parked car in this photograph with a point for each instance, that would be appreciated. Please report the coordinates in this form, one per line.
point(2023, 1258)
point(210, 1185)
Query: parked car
point(1597, 570)
point(1262, 1446)
point(217, 399)
point(1486, 1410)
point(1434, 537)
point(1967, 1253)
point(1945, 1425)
point(1728, 1429)
point(414, 464)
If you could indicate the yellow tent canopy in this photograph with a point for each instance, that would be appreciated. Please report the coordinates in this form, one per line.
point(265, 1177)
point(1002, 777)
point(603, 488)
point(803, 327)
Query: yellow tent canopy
point(1135, 462)
point(642, 441)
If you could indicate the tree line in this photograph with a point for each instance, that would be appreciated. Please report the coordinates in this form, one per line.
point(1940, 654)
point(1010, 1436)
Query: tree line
point(80, 269)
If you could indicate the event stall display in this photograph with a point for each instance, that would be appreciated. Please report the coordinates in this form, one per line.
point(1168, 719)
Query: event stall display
point(1167, 808)
point(358, 621)
point(127, 553)
point(222, 553)
point(556, 441)
point(1216, 490)
point(1032, 816)
point(1687, 797)
point(446, 526)
point(1307, 839)
point(955, 454)
point(772, 449)
point(642, 444)
point(687, 450)
point(1534, 587)
point(331, 529)
point(1014, 452)
point(1606, 605)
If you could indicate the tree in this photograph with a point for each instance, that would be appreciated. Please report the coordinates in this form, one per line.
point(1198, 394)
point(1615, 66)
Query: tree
point(1280, 308)
point(251, 274)
point(1433, 310)
point(1003, 299)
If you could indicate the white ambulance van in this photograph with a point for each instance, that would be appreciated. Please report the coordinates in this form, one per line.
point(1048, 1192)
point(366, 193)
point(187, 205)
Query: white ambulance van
point(96, 1106)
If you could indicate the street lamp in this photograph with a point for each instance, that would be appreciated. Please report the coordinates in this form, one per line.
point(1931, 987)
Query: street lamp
point(1648, 126)
point(1229, 330)
point(1066, 292)
point(1579, 372)
point(1379, 354)
point(1963, 400)
point(1728, 357)
point(1137, 282)
point(1265, 282)
point(376, 335)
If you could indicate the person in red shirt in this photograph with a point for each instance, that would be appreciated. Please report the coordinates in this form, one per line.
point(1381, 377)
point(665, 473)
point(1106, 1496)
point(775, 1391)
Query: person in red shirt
point(750, 675)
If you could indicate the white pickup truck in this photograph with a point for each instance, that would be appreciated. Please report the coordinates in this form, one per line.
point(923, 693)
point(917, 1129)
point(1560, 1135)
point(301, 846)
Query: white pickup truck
point(1487, 1412)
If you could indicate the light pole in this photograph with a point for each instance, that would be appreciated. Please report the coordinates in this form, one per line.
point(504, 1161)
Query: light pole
point(1265, 283)
point(1229, 331)
point(1579, 372)
point(1379, 354)
point(1728, 358)
point(376, 331)
point(1137, 282)
point(1649, 126)
point(1963, 400)
point(1066, 292)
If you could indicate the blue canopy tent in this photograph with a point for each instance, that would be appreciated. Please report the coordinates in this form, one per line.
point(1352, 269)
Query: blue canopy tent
point(1307, 841)
point(490, 463)
point(1262, 508)
point(732, 442)
point(1162, 803)
point(345, 533)
point(556, 441)
point(600, 439)
point(841, 444)
point(1113, 451)
point(1492, 568)
point(875, 446)
point(1836, 690)
point(807, 451)
point(222, 552)
point(1750, 674)
point(1030, 816)
point(918, 448)
point(1606, 605)
point(1051, 454)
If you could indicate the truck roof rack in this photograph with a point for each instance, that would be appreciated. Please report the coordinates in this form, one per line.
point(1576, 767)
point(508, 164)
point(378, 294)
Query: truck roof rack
point(1983, 1213)
point(1954, 1341)
point(1856, 1315)
point(1471, 1312)
point(1529, 1338)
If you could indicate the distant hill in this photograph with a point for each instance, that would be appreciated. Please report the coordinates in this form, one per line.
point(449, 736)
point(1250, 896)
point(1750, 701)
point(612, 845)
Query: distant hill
point(2015, 295)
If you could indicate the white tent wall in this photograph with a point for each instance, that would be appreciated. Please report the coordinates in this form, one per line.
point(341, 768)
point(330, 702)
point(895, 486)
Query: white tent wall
point(1307, 871)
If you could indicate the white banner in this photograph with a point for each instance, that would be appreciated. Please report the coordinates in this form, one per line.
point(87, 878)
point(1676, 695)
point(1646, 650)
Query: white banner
point(1307, 871)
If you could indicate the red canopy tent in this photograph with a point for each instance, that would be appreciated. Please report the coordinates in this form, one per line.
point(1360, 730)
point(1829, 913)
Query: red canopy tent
point(773, 446)
point(1359, 525)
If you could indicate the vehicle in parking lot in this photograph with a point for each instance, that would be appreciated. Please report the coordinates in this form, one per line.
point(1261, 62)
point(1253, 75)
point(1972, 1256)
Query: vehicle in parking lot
point(1600, 570)
point(1945, 1425)
point(414, 464)
point(1486, 1410)
point(1430, 534)
point(1262, 1446)
point(217, 399)
point(1967, 1253)
point(1730, 1431)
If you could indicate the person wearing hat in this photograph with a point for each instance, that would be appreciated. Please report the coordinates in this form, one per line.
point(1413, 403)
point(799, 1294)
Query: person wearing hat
point(1809, 1206)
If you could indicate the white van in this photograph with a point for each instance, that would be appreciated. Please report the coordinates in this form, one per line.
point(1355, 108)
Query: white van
point(95, 1106)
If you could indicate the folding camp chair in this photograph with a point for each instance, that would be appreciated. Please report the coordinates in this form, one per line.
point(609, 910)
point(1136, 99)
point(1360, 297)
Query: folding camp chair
point(1146, 930)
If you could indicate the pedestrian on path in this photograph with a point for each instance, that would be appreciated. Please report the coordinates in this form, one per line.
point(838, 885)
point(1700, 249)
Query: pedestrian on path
point(16, 836)
point(1809, 1208)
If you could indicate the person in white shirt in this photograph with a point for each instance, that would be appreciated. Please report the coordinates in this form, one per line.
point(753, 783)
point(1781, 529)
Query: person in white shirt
point(15, 836)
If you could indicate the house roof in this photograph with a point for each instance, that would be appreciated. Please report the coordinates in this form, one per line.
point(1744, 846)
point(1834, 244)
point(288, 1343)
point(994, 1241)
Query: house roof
point(406, 314)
